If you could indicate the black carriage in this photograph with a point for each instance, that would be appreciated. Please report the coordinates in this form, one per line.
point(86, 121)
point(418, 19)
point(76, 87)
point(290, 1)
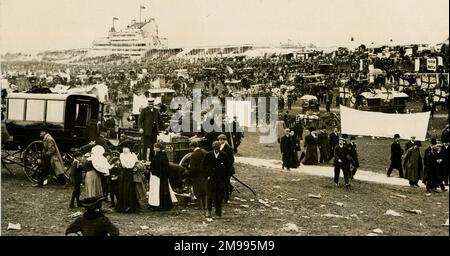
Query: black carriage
point(73, 120)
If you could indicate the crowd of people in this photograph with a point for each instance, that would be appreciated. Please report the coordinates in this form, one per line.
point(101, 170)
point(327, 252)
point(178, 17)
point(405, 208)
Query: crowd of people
point(132, 183)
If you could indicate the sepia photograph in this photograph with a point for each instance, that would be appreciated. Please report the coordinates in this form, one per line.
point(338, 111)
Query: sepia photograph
point(214, 118)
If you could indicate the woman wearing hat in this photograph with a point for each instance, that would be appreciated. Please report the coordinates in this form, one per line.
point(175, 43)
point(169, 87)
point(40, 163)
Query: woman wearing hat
point(93, 222)
point(96, 166)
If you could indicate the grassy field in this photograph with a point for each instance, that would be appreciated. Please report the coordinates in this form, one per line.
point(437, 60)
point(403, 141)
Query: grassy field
point(374, 154)
point(284, 202)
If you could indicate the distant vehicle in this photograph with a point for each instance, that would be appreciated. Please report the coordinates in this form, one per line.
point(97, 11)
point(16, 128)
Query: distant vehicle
point(309, 103)
point(382, 101)
point(164, 94)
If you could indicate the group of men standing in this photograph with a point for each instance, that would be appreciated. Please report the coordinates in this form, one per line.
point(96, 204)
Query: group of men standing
point(210, 173)
point(432, 168)
point(329, 146)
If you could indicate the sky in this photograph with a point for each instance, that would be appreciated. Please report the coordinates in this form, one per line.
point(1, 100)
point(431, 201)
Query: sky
point(35, 25)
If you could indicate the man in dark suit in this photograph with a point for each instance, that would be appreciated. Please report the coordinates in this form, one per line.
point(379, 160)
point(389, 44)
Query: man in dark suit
point(334, 140)
point(396, 157)
point(427, 169)
point(198, 175)
point(237, 133)
point(342, 161)
point(444, 157)
point(324, 144)
point(215, 164)
point(226, 148)
point(288, 152)
point(354, 155)
point(150, 123)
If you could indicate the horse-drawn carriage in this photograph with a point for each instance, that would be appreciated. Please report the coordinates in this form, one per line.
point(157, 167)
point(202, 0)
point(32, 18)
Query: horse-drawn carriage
point(73, 120)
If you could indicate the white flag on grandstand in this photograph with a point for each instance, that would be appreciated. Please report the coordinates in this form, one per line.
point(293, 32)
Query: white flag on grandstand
point(367, 123)
point(230, 70)
point(440, 61)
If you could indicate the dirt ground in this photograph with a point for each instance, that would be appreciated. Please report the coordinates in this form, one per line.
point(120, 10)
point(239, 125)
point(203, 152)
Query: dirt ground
point(281, 207)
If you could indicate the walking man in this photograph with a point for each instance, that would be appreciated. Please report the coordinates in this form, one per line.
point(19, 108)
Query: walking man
point(354, 155)
point(334, 140)
point(396, 157)
point(217, 169)
point(342, 161)
point(51, 160)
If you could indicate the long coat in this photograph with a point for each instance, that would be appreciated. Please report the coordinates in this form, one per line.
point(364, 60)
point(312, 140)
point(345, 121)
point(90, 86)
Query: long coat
point(413, 164)
point(444, 156)
point(198, 175)
point(324, 144)
point(288, 152)
point(151, 122)
point(217, 170)
point(334, 140)
point(354, 154)
point(311, 146)
point(51, 150)
point(230, 155)
point(396, 155)
point(342, 154)
point(432, 168)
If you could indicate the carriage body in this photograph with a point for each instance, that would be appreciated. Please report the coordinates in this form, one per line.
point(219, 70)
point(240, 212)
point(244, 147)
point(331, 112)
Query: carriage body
point(72, 119)
point(379, 101)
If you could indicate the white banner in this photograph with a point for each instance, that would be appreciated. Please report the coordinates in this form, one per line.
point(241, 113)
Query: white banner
point(440, 61)
point(367, 123)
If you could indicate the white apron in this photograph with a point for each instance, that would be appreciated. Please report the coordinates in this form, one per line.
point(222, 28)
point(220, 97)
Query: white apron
point(153, 194)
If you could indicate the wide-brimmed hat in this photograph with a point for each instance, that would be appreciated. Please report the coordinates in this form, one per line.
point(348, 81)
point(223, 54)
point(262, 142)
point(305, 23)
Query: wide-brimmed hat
point(92, 202)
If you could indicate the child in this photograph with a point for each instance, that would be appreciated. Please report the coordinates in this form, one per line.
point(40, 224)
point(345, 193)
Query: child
point(93, 222)
point(114, 180)
point(76, 176)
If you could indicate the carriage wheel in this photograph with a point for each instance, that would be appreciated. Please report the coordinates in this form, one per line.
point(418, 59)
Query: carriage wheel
point(185, 159)
point(30, 159)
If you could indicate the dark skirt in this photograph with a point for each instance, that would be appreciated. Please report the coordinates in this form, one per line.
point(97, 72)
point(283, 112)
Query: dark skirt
point(127, 200)
point(165, 201)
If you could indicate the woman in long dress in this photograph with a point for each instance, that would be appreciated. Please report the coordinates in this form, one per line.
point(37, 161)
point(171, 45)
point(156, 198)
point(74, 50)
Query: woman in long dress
point(311, 147)
point(412, 163)
point(95, 166)
point(161, 194)
point(127, 201)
